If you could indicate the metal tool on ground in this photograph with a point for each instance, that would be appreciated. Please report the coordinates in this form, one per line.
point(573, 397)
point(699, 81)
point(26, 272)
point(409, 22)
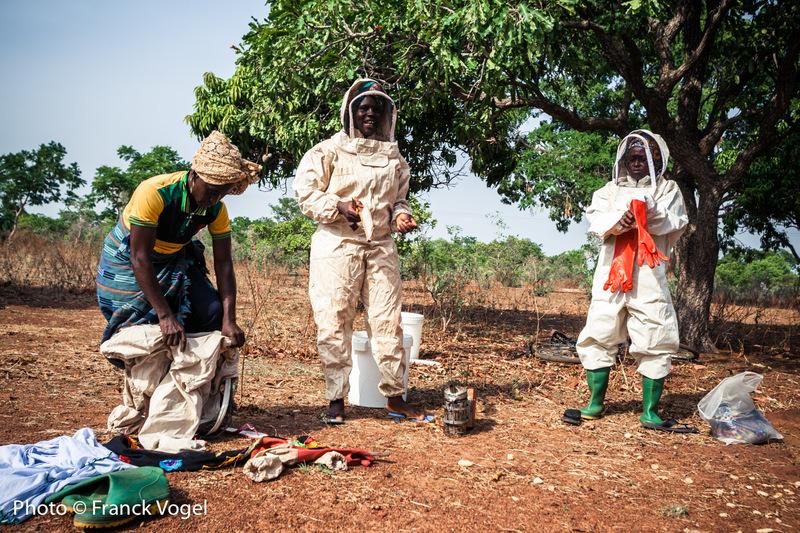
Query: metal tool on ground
point(459, 410)
point(559, 348)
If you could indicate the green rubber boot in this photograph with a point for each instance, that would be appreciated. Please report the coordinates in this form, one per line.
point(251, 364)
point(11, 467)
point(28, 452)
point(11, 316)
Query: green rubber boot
point(598, 384)
point(651, 395)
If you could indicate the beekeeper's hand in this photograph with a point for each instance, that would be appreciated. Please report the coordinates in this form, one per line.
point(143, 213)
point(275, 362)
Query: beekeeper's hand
point(232, 331)
point(172, 331)
point(350, 210)
point(405, 222)
point(626, 223)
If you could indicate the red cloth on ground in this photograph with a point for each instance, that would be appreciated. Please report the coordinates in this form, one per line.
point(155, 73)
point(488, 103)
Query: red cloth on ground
point(353, 456)
point(626, 248)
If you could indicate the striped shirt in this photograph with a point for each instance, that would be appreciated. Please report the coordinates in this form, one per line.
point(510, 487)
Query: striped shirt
point(163, 202)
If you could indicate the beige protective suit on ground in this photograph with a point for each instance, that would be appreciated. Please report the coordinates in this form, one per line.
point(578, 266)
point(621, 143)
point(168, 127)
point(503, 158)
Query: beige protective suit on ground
point(645, 314)
point(168, 393)
point(346, 264)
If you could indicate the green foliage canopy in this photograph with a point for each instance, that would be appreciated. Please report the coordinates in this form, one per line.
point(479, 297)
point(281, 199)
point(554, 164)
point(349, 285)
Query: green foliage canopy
point(715, 78)
point(32, 178)
point(768, 202)
point(284, 239)
point(469, 74)
point(758, 276)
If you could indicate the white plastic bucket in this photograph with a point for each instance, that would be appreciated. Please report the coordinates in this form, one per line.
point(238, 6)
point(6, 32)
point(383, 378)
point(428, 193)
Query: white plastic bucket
point(365, 376)
point(412, 325)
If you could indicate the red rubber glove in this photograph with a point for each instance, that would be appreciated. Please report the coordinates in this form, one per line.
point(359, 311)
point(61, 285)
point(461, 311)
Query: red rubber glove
point(620, 277)
point(647, 247)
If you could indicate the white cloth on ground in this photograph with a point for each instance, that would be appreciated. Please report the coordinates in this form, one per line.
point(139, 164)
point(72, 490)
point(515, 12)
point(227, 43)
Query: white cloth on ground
point(169, 392)
point(263, 466)
point(31, 472)
point(268, 464)
point(332, 460)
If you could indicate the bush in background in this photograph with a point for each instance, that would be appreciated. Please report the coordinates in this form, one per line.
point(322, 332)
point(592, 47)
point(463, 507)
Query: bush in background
point(756, 277)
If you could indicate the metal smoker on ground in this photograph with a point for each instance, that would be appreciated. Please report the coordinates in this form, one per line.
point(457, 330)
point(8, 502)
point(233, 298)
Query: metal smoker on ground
point(459, 410)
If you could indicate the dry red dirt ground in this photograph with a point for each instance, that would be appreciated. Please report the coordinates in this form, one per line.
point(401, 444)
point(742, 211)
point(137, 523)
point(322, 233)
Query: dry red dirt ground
point(529, 471)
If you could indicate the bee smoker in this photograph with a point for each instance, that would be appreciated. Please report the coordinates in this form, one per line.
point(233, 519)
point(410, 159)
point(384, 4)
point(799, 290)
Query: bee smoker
point(459, 410)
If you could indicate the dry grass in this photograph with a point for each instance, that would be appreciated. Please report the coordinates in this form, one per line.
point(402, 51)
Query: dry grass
point(57, 267)
point(32, 261)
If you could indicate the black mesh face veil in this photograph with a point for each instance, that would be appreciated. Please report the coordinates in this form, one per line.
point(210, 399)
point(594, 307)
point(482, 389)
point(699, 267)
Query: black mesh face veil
point(639, 142)
point(656, 151)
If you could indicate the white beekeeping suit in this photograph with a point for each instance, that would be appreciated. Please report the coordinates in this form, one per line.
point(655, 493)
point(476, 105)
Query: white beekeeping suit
point(348, 265)
point(645, 313)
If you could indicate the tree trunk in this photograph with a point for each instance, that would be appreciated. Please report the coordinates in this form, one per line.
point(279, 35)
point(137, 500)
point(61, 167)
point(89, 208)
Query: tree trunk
point(696, 256)
point(17, 213)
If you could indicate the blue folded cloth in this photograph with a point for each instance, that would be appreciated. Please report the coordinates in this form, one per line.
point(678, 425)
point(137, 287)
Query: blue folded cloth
point(31, 472)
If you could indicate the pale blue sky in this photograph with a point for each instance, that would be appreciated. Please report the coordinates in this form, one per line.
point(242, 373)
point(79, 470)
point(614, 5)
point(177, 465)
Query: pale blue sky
point(96, 74)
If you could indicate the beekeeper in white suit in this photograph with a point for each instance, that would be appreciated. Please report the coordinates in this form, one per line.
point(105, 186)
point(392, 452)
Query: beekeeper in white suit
point(643, 310)
point(355, 185)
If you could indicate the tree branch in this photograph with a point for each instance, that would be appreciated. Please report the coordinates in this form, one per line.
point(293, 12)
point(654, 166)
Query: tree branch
point(668, 80)
point(717, 123)
point(355, 35)
point(664, 34)
point(691, 90)
point(785, 90)
point(792, 249)
point(624, 56)
point(538, 100)
point(714, 135)
point(621, 52)
point(617, 124)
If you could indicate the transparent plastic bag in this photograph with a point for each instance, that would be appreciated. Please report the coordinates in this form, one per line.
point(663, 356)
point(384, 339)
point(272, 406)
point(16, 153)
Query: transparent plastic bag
point(732, 415)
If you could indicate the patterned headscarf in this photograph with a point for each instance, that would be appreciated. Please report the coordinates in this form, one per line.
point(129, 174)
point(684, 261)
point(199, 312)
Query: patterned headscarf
point(369, 86)
point(219, 162)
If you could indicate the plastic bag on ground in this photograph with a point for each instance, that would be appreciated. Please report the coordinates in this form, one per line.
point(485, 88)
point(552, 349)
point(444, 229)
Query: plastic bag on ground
point(732, 415)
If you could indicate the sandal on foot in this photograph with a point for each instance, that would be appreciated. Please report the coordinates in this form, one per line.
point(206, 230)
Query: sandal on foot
point(329, 420)
point(670, 426)
point(334, 414)
point(574, 417)
point(400, 417)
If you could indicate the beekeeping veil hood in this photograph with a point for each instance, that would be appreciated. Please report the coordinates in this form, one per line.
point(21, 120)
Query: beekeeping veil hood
point(656, 168)
point(368, 87)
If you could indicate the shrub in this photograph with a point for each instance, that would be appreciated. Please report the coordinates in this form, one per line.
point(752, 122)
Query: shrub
point(749, 276)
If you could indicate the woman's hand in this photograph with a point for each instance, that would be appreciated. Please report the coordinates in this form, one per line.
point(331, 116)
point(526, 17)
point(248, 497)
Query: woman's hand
point(405, 222)
point(234, 334)
point(172, 331)
point(350, 210)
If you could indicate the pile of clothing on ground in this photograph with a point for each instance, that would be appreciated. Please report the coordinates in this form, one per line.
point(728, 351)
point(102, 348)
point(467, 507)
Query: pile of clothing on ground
point(170, 395)
point(107, 485)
